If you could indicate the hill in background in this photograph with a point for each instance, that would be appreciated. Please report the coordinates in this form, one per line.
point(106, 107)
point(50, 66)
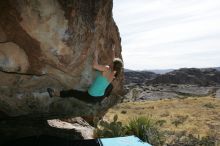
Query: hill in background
point(181, 83)
point(192, 76)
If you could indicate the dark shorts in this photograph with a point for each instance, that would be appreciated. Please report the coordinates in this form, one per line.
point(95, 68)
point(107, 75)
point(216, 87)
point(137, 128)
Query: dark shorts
point(84, 95)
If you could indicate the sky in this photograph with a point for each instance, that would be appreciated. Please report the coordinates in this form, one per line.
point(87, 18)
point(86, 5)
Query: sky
point(168, 34)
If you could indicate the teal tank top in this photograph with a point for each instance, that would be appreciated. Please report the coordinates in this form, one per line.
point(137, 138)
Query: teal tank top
point(99, 85)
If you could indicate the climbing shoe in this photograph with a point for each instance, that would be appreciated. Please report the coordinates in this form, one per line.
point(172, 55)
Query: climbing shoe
point(50, 91)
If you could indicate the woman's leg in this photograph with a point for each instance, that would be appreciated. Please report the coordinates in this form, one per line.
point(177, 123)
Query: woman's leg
point(108, 90)
point(80, 95)
point(73, 93)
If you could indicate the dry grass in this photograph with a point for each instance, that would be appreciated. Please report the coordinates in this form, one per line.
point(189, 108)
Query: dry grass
point(197, 115)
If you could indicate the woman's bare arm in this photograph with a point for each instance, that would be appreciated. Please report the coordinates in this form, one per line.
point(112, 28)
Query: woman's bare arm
point(96, 65)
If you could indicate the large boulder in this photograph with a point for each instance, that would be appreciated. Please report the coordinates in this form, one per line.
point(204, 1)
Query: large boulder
point(50, 43)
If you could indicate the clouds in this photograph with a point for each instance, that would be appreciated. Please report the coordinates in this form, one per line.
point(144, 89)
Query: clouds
point(169, 33)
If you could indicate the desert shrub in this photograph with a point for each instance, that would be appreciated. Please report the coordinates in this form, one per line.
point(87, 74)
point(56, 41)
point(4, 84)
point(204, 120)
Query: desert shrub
point(123, 111)
point(191, 140)
point(135, 93)
point(165, 114)
point(179, 120)
point(209, 105)
point(161, 122)
point(143, 127)
point(109, 129)
point(146, 129)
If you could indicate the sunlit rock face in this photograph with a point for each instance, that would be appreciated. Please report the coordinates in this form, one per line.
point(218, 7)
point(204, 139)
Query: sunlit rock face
point(50, 43)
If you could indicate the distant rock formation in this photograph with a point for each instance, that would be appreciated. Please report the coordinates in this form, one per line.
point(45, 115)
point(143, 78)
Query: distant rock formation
point(138, 77)
point(180, 83)
point(50, 43)
point(217, 68)
point(191, 76)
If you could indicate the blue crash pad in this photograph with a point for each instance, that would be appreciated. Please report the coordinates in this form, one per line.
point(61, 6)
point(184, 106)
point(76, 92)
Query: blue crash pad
point(123, 141)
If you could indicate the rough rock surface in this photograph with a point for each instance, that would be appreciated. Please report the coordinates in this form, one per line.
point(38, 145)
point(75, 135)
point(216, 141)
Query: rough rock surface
point(50, 43)
point(72, 128)
point(10, 62)
point(78, 124)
